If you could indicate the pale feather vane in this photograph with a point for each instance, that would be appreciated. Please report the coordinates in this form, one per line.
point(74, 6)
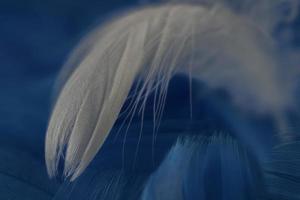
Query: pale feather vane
point(210, 42)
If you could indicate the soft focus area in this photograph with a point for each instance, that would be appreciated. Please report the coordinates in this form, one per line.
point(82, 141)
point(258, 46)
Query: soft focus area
point(36, 38)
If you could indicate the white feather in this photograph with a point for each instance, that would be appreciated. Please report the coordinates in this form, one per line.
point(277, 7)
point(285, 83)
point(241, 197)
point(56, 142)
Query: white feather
point(209, 42)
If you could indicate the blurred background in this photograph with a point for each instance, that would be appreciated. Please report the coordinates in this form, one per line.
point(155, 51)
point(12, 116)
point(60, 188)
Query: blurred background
point(35, 39)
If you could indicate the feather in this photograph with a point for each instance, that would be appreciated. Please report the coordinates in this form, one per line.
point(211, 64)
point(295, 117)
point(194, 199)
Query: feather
point(95, 113)
point(282, 172)
point(151, 45)
point(203, 168)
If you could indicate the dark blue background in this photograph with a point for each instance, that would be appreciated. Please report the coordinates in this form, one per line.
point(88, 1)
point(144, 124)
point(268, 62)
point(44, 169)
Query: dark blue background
point(35, 39)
